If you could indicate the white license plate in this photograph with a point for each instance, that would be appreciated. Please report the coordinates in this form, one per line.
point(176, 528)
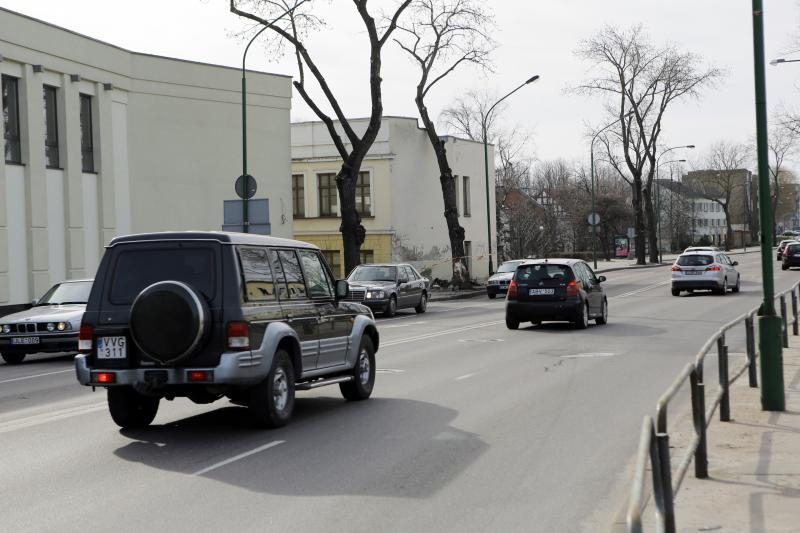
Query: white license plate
point(693, 272)
point(539, 292)
point(24, 340)
point(111, 348)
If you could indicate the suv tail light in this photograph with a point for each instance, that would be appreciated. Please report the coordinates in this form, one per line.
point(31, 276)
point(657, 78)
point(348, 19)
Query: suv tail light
point(572, 288)
point(512, 290)
point(85, 335)
point(238, 336)
point(713, 268)
point(676, 268)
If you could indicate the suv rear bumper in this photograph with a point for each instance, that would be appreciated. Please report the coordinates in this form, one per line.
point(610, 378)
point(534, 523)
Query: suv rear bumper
point(234, 368)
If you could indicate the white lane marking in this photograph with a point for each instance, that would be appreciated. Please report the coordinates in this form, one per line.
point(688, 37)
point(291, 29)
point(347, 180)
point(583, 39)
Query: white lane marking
point(389, 371)
point(466, 376)
point(237, 457)
point(588, 355)
point(37, 375)
point(405, 325)
point(480, 341)
point(440, 333)
point(643, 289)
point(51, 416)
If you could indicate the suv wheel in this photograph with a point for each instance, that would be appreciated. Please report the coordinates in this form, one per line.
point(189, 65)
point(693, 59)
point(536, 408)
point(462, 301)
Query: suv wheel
point(423, 303)
point(129, 409)
point(13, 358)
point(511, 323)
point(583, 318)
point(603, 318)
point(391, 307)
point(271, 402)
point(360, 388)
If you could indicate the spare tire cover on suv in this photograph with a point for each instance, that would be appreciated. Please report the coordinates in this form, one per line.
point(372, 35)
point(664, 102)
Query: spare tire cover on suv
point(169, 321)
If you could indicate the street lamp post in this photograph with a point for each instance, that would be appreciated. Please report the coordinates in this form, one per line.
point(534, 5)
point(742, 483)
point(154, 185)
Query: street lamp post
point(658, 230)
point(484, 119)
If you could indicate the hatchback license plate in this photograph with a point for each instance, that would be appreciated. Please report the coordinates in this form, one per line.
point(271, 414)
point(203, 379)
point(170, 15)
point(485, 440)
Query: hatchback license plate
point(539, 292)
point(111, 348)
point(25, 340)
point(693, 272)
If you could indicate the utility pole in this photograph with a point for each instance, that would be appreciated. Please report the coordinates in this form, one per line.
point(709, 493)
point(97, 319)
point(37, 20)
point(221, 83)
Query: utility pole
point(769, 324)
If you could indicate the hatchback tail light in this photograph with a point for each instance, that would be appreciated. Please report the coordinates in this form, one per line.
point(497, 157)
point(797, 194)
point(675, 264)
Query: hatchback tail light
point(512, 290)
point(786, 252)
point(85, 335)
point(572, 288)
point(713, 268)
point(676, 268)
point(238, 336)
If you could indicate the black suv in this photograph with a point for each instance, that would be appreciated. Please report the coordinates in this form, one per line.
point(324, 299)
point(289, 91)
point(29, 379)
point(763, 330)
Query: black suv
point(556, 289)
point(204, 315)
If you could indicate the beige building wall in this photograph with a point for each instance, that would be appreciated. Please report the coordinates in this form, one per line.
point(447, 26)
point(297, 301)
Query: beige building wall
point(167, 151)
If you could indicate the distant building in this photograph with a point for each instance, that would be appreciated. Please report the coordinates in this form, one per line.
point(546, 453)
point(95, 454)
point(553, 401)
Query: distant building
point(399, 196)
point(101, 141)
point(708, 217)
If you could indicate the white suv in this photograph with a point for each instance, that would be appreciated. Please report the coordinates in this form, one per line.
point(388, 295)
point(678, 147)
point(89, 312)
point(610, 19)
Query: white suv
point(701, 270)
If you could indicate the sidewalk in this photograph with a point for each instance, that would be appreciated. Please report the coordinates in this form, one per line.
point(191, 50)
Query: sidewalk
point(753, 465)
point(667, 259)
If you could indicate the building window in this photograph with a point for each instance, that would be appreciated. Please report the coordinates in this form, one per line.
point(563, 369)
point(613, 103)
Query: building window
point(363, 195)
point(87, 139)
point(328, 195)
point(334, 260)
point(465, 192)
point(13, 148)
point(298, 195)
point(366, 256)
point(51, 127)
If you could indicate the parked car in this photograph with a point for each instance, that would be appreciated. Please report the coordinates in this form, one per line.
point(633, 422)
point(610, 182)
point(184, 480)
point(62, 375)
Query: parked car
point(388, 287)
point(556, 289)
point(498, 282)
point(791, 255)
point(50, 326)
point(206, 315)
point(712, 271)
point(701, 249)
point(781, 247)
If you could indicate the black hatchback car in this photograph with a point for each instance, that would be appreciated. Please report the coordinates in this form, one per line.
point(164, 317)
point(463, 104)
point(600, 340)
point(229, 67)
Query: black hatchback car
point(556, 290)
point(790, 256)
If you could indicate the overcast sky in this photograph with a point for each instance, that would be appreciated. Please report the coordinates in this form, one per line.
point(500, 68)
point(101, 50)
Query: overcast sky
point(534, 37)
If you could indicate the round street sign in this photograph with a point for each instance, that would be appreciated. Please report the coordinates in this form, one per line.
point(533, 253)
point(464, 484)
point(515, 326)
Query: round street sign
point(247, 191)
point(593, 219)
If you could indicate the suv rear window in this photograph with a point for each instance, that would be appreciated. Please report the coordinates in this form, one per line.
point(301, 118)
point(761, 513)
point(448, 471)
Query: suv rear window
point(136, 269)
point(695, 260)
point(543, 272)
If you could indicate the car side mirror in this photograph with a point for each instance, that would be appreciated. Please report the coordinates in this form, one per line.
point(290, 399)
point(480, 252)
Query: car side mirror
point(601, 279)
point(342, 289)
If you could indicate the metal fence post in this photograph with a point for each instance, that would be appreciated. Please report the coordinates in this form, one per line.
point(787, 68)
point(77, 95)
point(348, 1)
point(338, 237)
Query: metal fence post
point(751, 351)
point(699, 416)
point(662, 442)
point(785, 334)
point(795, 325)
point(724, 404)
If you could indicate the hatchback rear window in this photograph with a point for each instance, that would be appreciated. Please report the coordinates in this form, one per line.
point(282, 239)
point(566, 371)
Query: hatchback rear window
point(695, 260)
point(543, 272)
point(136, 269)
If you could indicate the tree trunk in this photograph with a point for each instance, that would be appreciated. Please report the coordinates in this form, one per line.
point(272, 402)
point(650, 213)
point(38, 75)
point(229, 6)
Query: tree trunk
point(353, 233)
point(729, 227)
point(652, 224)
point(638, 220)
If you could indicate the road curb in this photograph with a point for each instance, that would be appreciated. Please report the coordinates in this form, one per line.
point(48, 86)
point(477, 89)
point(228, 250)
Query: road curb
point(636, 267)
point(438, 297)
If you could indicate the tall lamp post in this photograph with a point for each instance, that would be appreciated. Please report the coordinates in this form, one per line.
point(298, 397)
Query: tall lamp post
point(658, 207)
point(484, 119)
point(690, 146)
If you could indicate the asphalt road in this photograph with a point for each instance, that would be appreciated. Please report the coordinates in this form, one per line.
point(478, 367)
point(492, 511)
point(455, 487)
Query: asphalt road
point(472, 427)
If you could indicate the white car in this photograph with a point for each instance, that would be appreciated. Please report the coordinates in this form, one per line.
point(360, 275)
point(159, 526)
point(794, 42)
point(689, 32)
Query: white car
point(498, 282)
point(705, 270)
point(701, 249)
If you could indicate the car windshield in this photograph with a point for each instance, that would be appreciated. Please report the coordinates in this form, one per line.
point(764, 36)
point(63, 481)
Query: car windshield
point(695, 260)
point(76, 292)
point(373, 273)
point(543, 272)
point(507, 267)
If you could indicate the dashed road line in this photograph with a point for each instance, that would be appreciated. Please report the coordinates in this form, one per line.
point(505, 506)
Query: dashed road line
point(238, 457)
point(440, 333)
point(23, 378)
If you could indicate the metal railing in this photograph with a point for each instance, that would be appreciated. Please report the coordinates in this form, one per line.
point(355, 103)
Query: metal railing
point(654, 439)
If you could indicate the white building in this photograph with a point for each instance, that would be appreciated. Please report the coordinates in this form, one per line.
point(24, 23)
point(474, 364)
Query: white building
point(101, 141)
point(400, 197)
point(708, 219)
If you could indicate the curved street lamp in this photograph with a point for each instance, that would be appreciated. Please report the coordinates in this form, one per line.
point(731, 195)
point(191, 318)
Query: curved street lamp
point(658, 195)
point(781, 60)
point(484, 119)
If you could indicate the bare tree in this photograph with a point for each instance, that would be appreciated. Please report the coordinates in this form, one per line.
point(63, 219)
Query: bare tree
point(290, 21)
point(640, 82)
point(783, 144)
point(721, 179)
point(440, 36)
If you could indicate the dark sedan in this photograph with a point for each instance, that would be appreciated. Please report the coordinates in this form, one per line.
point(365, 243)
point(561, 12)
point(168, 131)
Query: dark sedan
point(386, 288)
point(50, 326)
point(791, 256)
